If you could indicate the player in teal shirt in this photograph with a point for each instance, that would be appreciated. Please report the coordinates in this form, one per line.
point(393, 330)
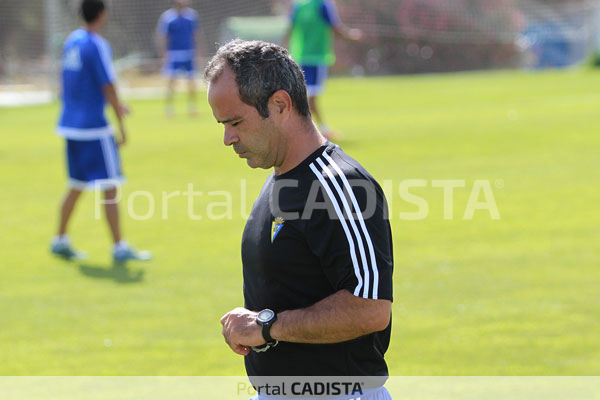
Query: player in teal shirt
point(312, 26)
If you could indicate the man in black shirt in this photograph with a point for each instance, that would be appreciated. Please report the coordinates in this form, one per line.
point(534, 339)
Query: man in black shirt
point(317, 248)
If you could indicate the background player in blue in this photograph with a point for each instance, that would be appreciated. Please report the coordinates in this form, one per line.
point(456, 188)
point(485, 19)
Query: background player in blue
point(310, 35)
point(177, 35)
point(88, 81)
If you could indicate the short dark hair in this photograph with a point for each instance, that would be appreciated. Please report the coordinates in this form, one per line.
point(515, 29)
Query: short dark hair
point(260, 69)
point(91, 9)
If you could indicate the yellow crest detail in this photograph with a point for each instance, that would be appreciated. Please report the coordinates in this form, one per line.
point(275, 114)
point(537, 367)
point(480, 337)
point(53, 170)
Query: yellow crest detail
point(276, 227)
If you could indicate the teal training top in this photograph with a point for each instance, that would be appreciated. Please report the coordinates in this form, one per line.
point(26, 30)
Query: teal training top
point(311, 40)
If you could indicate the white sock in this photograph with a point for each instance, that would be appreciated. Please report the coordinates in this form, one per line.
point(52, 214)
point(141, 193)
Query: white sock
point(61, 239)
point(121, 245)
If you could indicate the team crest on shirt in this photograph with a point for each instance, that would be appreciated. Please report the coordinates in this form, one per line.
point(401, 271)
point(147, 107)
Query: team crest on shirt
point(72, 60)
point(276, 227)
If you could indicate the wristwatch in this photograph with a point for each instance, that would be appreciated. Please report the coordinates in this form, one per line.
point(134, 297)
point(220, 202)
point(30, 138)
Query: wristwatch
point(266, 318)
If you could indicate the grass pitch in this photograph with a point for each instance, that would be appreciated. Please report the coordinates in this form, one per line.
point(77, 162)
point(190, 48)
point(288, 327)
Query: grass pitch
point(517, 295)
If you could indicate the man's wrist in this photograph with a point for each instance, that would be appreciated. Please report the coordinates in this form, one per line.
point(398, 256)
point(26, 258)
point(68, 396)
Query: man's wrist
point(266, 318)
point(277, 327)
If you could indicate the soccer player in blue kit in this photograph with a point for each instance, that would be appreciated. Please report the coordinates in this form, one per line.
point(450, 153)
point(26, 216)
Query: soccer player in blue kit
point(88, 81)
point(177, 30)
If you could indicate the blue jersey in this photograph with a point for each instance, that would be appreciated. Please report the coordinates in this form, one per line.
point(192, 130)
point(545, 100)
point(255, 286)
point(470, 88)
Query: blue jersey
point(179, 30)
point(86, 68)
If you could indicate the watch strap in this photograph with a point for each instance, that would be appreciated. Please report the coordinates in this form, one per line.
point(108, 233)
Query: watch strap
point(266, 329)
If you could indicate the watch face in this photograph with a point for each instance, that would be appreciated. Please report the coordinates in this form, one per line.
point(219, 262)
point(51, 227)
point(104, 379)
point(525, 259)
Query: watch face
point(265, 315)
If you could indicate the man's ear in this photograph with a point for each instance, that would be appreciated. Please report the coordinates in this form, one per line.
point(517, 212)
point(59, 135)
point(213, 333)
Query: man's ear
point(280, 103)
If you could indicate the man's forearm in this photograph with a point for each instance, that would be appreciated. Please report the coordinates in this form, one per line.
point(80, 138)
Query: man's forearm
point(348, 33)
point(337, 318)
point(110, 93)
point(161, 45)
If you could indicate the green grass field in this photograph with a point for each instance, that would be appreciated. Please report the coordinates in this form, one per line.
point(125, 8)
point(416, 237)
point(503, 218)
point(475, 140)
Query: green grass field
point(515, 296)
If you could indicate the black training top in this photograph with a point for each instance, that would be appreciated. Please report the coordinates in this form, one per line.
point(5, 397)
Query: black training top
point(303, 242)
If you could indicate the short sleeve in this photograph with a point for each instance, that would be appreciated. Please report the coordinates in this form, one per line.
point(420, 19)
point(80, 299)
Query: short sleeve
point(292, 13)
point(196, 26)
point(162, 28)
point(330, 13)
point(100, 62)
point(354, 248)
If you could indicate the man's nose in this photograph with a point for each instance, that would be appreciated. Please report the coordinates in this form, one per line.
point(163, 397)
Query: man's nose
point(229, 137)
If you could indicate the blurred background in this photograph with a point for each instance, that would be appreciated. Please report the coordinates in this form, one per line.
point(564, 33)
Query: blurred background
point(403, 36)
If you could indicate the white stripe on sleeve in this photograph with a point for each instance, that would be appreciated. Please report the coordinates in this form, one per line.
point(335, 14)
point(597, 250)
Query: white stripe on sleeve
point(361, 248)
point(362, 225)
point(105, 56)
point(344, 226)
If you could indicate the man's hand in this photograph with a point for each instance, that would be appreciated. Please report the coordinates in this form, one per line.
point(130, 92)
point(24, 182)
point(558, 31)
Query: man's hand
point(123, 109)
point(123, 136)
point(241, 331)
point(355, 34)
